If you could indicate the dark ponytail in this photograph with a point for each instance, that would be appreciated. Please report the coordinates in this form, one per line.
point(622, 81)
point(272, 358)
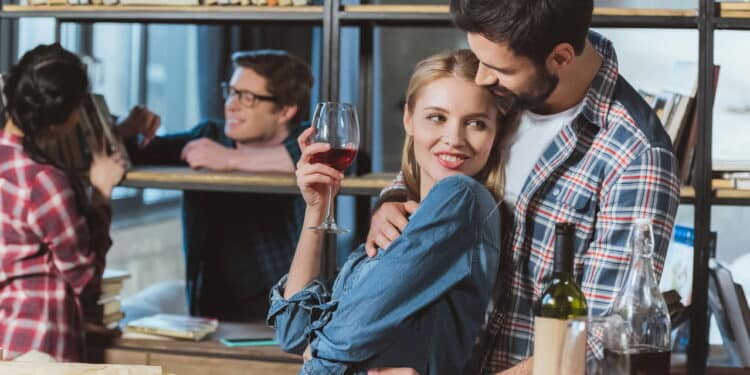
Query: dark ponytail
point(43, 90)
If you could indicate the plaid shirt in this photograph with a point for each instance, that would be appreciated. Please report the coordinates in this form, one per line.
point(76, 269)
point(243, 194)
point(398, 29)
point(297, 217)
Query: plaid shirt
point(47, 258)
point(611, 165)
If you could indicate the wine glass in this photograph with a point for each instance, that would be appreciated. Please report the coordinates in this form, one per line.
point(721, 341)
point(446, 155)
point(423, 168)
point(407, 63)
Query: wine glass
point(338, 125)
point(609, 334)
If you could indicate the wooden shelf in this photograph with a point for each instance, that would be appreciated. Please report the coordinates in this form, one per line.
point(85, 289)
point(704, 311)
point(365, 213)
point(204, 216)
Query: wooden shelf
point(440, 14)
point(437, 9)
point(733, 16)
point(407, 14)
point(732, 194)
point(184, 178)
point(687, 192)
point(734, 10)
point(166, 13)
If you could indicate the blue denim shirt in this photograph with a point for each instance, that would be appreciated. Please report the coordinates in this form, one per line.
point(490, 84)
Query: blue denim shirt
point(419, 304)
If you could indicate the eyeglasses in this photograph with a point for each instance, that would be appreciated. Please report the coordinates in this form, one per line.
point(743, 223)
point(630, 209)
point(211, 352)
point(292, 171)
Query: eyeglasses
point(247, 98)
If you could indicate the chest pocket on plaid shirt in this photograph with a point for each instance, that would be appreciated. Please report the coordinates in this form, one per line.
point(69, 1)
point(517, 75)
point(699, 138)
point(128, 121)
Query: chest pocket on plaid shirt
point(571, 203)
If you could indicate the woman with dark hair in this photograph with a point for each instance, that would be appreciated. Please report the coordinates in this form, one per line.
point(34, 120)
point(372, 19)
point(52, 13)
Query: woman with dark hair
point(55, 222)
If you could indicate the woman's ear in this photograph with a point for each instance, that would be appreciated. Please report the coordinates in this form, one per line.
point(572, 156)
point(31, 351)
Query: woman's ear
point(408, 123)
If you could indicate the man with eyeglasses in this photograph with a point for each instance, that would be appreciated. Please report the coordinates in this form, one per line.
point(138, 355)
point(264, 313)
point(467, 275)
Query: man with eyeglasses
point(237, 245)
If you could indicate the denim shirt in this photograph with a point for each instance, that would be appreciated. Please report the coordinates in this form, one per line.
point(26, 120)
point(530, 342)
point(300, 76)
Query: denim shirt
point(419, 303)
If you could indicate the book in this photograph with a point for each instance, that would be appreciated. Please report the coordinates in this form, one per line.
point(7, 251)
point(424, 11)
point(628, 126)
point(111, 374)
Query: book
point(74, 149)
point(742, 299)
point(725, 304)
point(177, 326)
point(145, 336)
point(680, 118)
point(115, 317)
point(685, 150)
point(103, 308)
point(111, 276)
point(101, 125)
point(677, 273)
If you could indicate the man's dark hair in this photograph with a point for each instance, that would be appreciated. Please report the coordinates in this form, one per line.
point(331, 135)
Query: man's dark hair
point(289, 79)
point(532, 28)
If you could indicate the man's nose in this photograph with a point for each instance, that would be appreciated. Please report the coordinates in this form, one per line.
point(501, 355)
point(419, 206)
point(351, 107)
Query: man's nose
point(484, 76)
point(232, 102)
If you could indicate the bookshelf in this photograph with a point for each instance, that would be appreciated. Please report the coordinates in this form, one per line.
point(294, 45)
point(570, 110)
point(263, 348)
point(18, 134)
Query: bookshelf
point(333, 15)
point(440, 15)
point(126, 13)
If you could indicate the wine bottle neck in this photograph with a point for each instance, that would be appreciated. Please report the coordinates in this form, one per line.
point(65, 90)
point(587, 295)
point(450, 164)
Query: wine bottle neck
point(564, 255)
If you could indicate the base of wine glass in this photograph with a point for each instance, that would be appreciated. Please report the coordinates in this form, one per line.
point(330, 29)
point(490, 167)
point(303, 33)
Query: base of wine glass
point(329, 228)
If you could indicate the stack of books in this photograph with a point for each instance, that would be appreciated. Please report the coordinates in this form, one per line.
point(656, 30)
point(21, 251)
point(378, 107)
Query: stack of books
point(676, 108)
point(107, 309)
point(168, 326)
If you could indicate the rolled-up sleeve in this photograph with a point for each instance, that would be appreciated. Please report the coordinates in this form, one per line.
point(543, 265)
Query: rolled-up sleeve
point(294, 318)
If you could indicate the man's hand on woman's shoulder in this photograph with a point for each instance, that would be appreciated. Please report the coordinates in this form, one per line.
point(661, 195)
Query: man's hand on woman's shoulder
point(387, 223)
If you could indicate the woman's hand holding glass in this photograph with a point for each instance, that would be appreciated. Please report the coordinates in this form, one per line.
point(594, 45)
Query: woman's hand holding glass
point(314, 179)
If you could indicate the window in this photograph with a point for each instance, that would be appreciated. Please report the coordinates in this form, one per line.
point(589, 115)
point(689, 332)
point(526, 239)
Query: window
point(153, 75)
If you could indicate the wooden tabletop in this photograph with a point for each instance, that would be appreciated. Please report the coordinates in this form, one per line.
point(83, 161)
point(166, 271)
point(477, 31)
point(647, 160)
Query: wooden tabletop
point(212, 347)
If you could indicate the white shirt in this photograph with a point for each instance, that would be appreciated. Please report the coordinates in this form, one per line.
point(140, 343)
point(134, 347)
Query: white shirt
point(534, 135)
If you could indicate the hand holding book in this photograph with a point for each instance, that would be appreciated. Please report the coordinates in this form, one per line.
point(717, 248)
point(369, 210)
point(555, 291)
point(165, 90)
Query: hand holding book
point(106, 171)
point(139, 122)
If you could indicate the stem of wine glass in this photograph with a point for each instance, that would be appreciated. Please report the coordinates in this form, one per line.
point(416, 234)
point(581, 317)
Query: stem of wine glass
point(329, 215)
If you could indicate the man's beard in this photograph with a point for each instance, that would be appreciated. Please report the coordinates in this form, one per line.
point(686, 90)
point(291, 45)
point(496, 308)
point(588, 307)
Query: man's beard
point(508, 101)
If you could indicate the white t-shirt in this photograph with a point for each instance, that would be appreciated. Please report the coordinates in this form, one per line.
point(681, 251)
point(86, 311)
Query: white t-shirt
point(535, 133)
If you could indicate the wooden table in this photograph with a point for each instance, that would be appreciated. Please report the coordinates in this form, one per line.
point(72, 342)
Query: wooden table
point(198, 358)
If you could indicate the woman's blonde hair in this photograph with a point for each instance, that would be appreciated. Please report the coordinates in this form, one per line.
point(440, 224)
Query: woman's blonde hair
point(461, 64)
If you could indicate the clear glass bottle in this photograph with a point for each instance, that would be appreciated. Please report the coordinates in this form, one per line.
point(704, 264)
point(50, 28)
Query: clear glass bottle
point(642, 308)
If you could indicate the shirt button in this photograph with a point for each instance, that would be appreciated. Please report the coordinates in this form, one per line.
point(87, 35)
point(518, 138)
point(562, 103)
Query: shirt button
point(556, 192)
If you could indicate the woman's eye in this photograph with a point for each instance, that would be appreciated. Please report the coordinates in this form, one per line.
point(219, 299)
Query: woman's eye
point(478, 124)
point(436, 118)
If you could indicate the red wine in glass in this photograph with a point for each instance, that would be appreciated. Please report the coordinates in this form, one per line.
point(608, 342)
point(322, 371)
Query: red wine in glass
point(337, 125)
point(339, 158)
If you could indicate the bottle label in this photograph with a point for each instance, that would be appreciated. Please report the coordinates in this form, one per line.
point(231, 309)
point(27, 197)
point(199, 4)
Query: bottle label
point(559, 346)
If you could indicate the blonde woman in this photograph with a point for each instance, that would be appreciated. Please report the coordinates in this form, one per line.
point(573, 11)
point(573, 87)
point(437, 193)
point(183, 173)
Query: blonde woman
point(418, 305)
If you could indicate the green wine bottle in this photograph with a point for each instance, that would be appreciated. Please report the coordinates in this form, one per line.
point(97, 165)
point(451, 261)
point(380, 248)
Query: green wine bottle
point(560, 303)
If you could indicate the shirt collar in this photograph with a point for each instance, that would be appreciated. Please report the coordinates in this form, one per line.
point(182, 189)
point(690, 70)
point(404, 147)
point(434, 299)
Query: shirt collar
point(598, 100)
point(8, 139)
